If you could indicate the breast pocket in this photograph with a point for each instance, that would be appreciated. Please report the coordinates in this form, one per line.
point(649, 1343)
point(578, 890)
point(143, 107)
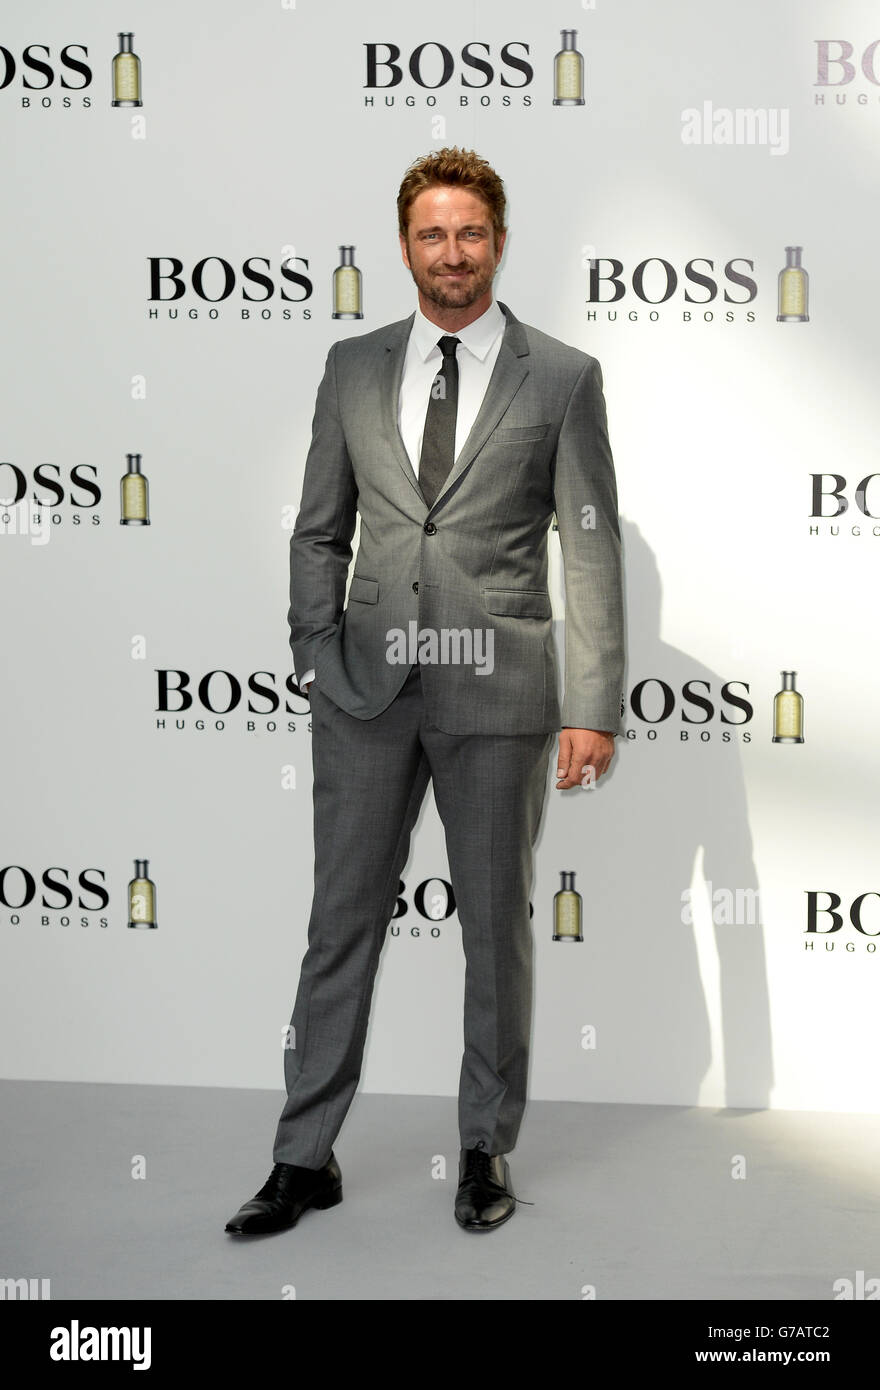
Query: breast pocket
point(521, 434)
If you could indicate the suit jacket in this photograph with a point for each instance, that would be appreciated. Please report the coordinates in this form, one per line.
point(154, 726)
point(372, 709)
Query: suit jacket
point(473, 563)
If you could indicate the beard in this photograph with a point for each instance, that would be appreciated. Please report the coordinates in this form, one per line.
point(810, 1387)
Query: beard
point(453, 294)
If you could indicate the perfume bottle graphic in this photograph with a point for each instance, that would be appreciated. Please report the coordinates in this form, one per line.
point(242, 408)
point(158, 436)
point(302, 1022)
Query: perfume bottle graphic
point(347, 286)
point(134, 494)
point(142, 897)
point(126, 74)
point(568, 72)
point(788, 712)
point(567, 911)
point(794, 289)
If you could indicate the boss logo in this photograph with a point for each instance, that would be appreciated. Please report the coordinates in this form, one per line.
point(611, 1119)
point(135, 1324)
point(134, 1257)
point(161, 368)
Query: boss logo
point(829, 495)
point(655, 280)
point(432, 65)
point(214, 279)
point(52, 889)
point(837, 68)
point(49, 488)
point(29, 64)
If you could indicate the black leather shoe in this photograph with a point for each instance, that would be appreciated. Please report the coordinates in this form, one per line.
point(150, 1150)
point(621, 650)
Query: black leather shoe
point(289, 1192)
point(485, 1197)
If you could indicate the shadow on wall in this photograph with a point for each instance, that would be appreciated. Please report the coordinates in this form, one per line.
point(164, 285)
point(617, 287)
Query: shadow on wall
point(667, 801)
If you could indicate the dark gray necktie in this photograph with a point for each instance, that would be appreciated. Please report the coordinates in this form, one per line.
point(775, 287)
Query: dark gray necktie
point(438, 440)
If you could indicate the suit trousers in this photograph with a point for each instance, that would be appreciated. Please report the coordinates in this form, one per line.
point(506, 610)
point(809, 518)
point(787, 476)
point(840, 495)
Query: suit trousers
point(370, 778)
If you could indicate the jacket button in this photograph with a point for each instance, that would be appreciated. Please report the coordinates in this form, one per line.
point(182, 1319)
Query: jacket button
point(430, 528)
point(416, 587)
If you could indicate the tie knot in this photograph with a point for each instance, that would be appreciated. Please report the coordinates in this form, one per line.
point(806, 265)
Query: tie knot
point(448, 345)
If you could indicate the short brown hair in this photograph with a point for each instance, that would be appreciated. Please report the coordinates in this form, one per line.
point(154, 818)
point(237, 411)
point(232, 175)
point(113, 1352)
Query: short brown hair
point(463, 168)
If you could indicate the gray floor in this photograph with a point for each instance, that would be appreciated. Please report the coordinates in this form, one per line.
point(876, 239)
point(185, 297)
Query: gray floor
point(634, 1202)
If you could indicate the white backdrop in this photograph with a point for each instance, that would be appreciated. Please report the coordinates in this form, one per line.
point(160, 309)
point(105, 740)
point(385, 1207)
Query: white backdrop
point(258, 138)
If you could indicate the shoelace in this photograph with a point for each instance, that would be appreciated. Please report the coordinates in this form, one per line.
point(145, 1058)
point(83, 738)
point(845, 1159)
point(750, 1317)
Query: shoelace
point(477, 1165)
point(273, 1184)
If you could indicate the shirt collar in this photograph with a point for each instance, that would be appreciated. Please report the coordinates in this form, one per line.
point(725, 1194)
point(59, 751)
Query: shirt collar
point(478, 337)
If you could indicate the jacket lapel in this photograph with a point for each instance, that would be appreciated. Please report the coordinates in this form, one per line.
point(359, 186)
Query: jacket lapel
point(511, 368)
point(391, 373)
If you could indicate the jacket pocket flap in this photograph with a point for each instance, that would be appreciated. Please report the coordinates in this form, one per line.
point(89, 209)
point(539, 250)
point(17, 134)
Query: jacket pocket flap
point(363, 590)
point(518, 603)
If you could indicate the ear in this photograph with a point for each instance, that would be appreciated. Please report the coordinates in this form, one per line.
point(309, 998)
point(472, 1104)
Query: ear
point(402, 240)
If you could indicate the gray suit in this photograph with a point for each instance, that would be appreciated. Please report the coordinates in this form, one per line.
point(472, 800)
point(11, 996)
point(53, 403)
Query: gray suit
point(476, 560)
point(539, 442)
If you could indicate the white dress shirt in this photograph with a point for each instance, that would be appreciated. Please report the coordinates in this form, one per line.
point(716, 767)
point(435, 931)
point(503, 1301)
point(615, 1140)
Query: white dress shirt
point(477, 351)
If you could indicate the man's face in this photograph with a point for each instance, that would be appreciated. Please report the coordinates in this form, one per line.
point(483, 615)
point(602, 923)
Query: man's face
point(450, 246)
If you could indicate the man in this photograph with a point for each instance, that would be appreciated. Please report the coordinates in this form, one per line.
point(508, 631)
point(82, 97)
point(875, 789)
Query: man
point(455, 434)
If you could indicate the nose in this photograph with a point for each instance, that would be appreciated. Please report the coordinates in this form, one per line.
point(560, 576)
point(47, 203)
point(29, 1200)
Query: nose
point(452, 252)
